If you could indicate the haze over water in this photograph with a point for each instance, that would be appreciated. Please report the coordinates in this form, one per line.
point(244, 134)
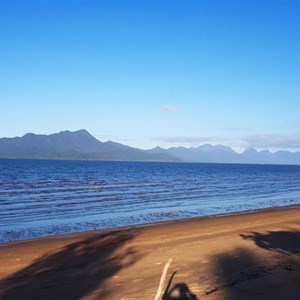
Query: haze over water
point(41, 198)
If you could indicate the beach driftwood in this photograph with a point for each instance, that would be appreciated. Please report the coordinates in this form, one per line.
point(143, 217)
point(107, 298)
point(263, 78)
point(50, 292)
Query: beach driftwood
point(162, 280)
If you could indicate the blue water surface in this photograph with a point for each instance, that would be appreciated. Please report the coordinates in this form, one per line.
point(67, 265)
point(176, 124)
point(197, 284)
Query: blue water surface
point(41, 198)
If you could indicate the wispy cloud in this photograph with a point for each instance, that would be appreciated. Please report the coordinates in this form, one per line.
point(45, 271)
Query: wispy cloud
point(235, 129)
point(185, 139)
point(169, 108)
point(273, 141)
point(107, 137)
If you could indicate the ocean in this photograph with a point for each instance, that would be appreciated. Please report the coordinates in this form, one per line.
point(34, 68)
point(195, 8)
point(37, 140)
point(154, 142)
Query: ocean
point(47, 197)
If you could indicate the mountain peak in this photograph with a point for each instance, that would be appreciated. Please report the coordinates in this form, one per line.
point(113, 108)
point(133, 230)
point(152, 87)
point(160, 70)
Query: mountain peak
point(250, 150)
point(80, 131)
point(158, 148)
point(209, 147)
point(205, 146)
point(29, 134)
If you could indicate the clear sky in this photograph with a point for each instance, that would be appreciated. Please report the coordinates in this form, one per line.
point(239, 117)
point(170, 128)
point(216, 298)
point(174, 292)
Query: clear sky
point(147, 73)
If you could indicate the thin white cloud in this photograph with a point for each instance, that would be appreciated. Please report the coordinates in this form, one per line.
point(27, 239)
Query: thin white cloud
point(235, 129)
point(107, 137)
point(169, 108)
point(185, 139)
point(273, 141)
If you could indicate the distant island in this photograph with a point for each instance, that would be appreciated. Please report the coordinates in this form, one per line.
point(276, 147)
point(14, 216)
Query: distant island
point(82, 145)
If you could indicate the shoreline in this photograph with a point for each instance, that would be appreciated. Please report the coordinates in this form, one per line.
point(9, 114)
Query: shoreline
point(253, 255)
point(127, 227)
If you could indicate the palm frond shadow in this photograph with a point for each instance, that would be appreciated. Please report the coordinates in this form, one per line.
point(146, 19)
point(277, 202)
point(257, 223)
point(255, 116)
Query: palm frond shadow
point(75, 271)
point(285, 242)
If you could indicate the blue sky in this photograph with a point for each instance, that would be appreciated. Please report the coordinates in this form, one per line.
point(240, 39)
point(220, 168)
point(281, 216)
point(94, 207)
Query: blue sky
point(147, 73)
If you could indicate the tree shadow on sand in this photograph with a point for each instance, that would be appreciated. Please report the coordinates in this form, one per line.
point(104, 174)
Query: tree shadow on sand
point(231, 269)
point(245, 274)
point(179, 291)
point(285, 242)
point(75, 270)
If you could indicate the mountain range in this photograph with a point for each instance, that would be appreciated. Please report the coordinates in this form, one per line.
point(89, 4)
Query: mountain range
point(82, 145)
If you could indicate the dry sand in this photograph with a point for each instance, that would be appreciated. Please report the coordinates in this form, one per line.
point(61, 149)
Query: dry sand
point(246, 256)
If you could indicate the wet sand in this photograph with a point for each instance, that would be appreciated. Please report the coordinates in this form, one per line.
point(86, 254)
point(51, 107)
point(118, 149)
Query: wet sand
point(245, 256)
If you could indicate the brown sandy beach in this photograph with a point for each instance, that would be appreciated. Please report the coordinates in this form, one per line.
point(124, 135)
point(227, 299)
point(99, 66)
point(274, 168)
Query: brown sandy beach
point(246, 256)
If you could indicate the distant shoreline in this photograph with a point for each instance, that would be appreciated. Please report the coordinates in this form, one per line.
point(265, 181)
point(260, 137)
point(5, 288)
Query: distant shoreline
point(148, 161)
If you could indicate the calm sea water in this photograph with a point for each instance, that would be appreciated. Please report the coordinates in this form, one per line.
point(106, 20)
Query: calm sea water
point(41, 198)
